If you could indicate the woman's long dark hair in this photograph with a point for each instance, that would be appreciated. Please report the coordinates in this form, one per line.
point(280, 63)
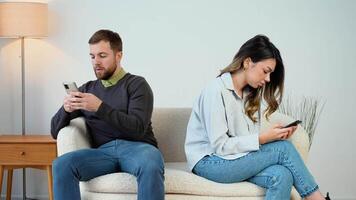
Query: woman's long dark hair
point(260, 48)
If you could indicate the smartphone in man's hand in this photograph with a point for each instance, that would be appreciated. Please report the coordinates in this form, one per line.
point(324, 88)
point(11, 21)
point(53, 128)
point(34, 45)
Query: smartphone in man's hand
point(292, 124)
point(70, 87)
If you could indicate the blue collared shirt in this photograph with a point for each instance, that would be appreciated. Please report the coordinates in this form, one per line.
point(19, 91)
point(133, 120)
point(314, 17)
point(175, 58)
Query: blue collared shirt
point(218, 124)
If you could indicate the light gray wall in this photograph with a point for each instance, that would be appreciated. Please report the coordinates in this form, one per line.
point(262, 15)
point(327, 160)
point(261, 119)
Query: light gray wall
point(179, 46)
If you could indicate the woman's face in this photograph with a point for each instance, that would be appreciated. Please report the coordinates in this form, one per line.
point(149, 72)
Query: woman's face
point(258, 74)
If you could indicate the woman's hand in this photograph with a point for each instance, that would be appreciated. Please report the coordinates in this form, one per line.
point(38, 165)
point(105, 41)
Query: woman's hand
point(277, 132)
point(291, 132)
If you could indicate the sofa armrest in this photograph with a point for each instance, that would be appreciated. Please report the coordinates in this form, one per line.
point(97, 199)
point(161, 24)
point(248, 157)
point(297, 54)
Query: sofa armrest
point(73, 137)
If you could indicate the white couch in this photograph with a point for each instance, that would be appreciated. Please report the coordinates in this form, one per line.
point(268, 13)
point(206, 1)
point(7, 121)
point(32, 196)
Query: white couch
point(169, 126)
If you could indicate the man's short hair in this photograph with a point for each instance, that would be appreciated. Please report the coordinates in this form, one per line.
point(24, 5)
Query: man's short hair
point(109, 36)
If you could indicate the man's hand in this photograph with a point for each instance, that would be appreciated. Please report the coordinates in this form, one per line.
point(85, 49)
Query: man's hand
point(67, 103)
point(276, 133)
point(84, 101)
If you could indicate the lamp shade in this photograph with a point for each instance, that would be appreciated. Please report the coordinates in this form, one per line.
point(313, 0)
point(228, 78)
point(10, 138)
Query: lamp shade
point(23, 19)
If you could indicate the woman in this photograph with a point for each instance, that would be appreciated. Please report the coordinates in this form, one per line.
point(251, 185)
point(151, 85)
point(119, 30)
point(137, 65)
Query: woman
point(224, 142)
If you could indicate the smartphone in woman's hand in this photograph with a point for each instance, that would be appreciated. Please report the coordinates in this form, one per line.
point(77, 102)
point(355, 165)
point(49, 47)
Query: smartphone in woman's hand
point(292, 124)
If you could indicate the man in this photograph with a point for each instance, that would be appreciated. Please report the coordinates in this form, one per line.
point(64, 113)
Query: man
point(117, 108)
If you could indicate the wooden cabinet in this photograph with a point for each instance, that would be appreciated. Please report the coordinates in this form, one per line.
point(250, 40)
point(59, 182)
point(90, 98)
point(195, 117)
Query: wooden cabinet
point(33, 151)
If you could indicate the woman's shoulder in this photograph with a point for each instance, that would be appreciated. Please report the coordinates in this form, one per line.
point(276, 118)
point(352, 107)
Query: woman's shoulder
point(212, 90)
point(214, 86)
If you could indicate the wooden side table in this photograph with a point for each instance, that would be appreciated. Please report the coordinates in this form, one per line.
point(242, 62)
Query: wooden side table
point(33, 151)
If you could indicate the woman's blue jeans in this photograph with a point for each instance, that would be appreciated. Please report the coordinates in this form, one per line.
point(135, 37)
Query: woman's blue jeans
point(137, 158)
point(276, 166)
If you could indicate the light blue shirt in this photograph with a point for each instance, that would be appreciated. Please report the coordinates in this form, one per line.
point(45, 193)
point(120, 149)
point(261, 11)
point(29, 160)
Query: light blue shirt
point(218, 124)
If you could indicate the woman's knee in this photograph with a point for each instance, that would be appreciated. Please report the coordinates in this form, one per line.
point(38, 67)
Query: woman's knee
point(283, 146)
point(281, 176)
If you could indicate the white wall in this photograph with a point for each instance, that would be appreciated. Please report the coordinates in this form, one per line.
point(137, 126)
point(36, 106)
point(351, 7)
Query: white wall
point(179, 46)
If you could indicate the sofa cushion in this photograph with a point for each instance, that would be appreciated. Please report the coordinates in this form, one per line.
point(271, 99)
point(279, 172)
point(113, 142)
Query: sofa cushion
point(169, 127)
point(178, 180)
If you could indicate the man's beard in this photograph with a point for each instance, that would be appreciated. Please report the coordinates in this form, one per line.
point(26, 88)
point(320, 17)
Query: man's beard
point(104, 74)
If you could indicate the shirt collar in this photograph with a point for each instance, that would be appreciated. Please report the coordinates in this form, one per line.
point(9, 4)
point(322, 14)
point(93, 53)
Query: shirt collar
point(227, 80)
point(118, 75)
point(228, 83)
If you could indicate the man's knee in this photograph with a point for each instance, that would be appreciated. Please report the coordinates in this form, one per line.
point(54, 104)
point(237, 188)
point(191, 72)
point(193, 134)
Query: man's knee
point(64, 164)
point(152, 162)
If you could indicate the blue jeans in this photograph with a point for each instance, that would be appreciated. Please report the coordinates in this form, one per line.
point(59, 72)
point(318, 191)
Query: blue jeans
point(137, 158)
point(276, 166)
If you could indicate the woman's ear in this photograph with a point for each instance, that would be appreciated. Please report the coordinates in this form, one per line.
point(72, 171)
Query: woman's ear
point(246, 63)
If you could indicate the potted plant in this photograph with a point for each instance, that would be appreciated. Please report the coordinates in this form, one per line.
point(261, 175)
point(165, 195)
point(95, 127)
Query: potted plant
point(306, 109)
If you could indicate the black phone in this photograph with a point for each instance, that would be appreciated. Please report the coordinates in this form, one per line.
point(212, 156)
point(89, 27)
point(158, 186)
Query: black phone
point(292, 124)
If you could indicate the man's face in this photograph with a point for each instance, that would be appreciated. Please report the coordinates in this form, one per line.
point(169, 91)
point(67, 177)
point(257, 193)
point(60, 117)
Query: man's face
point(104, 59)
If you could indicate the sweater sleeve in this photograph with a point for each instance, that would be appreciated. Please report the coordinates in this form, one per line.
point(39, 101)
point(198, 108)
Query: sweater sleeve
point(62, 119)
point(138, 116)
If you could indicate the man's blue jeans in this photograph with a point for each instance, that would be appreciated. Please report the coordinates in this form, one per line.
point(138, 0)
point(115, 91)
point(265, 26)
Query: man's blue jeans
point(137, 158)
point(276, 166)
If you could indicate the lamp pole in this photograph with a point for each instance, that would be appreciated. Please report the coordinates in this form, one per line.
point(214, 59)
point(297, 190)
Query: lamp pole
point(23, 126)
point(23, 84)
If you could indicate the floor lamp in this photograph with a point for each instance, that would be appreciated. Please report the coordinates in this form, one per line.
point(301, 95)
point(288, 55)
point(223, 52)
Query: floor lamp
point(23, 20)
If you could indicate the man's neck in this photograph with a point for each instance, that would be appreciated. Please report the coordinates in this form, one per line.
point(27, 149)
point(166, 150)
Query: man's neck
point(117, 70)
point(117, 75)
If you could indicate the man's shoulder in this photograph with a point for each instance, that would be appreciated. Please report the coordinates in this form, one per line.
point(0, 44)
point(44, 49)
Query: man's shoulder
point(89, 84)
point(135, 83)
point(135, 80)
point(134, 77)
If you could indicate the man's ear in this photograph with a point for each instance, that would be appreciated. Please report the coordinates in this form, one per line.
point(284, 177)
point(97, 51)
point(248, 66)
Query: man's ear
point(118, 55)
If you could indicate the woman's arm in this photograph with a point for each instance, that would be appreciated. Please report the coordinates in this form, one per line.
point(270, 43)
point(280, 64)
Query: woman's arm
point(276, 133)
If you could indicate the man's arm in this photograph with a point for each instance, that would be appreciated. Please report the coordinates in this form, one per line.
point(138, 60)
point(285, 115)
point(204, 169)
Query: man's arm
point(65, 113)
point(62, 119)
point(138, 117)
